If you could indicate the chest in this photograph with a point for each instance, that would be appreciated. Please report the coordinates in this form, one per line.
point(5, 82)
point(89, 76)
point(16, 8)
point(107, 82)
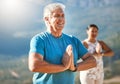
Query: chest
point(93, 46)
point(55, 49)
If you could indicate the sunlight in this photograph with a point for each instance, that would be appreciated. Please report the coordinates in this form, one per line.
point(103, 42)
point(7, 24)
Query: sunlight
point(13, 12)
point(11, 6)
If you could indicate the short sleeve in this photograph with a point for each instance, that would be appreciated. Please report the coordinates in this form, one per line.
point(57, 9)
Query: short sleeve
point(37, 45)
point(81, 48)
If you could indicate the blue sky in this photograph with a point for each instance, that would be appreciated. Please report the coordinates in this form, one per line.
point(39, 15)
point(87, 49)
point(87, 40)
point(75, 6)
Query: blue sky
point(20, 20)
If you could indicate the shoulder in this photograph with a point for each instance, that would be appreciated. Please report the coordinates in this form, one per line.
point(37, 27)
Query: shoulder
point(41, 35)
point(101, 42)
point(67, 36)
point(104, 45)
point(85, 43)
point(71, 37)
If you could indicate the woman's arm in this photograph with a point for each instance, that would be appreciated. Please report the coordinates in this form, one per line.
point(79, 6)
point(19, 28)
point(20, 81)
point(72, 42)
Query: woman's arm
point(107, 51)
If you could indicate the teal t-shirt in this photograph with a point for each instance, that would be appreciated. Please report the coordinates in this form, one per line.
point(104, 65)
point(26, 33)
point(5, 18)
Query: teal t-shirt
point(53, 49)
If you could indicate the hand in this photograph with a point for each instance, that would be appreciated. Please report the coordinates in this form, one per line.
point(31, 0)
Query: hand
point(98, 48)
point(97, 54)
point(67, 57)
point(72, 67)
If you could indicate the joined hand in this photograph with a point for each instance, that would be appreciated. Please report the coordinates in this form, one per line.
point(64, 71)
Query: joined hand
point(68, 59)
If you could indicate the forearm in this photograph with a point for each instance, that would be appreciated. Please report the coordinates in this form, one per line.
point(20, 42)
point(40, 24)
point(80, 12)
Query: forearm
point(46, 67)
point(107, 53)
point(36, 63)
point(90, 62)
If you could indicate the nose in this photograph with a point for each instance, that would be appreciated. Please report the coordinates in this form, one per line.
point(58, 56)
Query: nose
point(61, 19)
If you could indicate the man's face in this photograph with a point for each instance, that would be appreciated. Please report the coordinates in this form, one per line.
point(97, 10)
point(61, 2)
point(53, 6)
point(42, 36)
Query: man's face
point(57, 21)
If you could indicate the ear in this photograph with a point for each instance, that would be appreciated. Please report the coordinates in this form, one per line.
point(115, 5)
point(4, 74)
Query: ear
point(46, 18)
point(87, 31)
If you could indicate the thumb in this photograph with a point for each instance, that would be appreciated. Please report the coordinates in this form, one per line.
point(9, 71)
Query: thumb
point(69, 50)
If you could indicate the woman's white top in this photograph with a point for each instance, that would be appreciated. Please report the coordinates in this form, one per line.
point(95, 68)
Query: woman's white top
point(97, 72)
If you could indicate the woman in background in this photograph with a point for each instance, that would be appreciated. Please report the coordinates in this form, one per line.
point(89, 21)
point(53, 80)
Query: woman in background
point(98, 49)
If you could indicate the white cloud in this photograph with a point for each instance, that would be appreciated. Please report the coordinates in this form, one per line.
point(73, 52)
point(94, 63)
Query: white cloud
point(41, 2)
point(25, 34)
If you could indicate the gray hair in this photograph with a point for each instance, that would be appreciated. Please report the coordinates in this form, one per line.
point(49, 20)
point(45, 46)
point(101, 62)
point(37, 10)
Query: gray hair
point(51, 7)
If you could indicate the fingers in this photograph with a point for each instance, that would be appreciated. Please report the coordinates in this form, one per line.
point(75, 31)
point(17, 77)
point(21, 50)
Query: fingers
point(72, 67)
point(70, 53)
point(98, 48)
point(69, 50)
point(66, 61)
point(67, 57)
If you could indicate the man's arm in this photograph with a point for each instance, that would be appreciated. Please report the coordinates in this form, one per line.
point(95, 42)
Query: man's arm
point(36, 63)
point(87, 63)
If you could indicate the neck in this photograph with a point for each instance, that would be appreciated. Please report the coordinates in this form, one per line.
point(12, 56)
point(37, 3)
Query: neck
point(55, 34)
point(93, 40)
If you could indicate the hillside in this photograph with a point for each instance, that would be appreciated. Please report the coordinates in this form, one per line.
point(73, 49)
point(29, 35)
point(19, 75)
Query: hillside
point(14, 70)
point(107, 18)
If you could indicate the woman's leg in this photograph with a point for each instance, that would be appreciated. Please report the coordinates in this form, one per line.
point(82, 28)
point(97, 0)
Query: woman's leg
point(100, 81)
point(84, 79)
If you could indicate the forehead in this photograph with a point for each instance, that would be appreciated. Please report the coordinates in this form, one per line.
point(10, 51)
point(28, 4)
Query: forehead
point(57, 11)
point(93, 28)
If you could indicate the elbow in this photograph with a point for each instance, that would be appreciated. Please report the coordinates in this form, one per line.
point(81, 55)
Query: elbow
point(112, 54)
point(32, 67)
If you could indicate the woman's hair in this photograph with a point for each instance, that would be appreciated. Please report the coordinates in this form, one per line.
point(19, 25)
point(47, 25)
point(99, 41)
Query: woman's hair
point(92, 25)
point(51, 7)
